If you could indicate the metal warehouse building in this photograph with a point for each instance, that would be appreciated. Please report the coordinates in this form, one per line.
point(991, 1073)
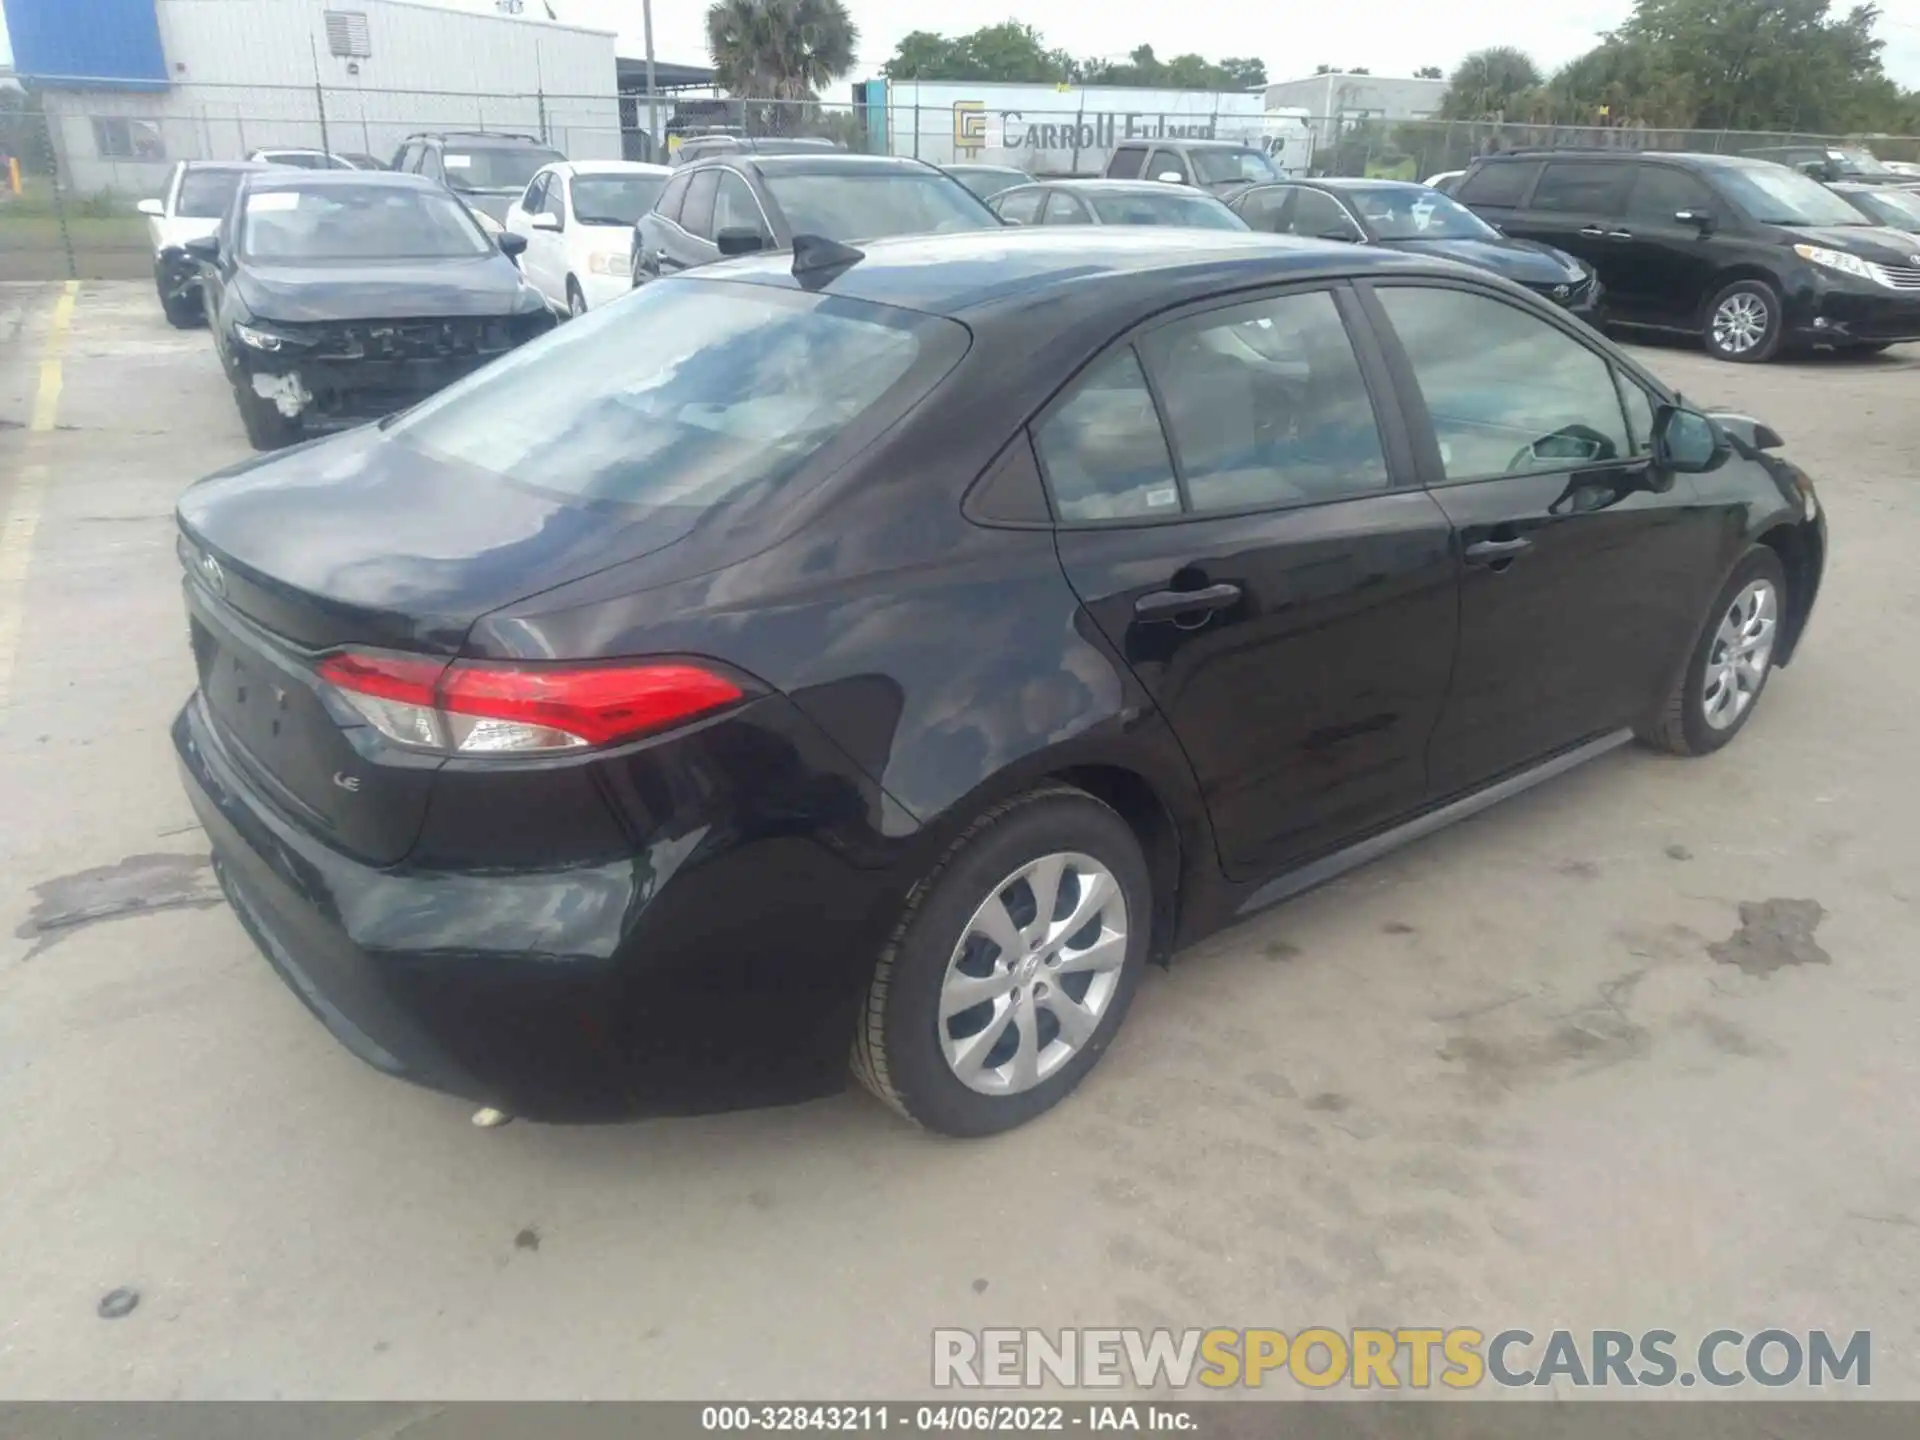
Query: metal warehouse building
point(130, 86)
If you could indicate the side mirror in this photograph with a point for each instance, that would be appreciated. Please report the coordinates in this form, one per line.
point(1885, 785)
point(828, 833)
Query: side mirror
point(544, 221)
point(1171, 177)
point(155, 208)
point(204, 248)
point(739, 240)
point(1700, 219)
point(1686, 441)
point(511, 245)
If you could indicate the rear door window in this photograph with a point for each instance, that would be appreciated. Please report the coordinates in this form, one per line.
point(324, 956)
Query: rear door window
point(1065, 209)
point(1128, 161)
point(1020, 207)
point(734, 207)
point(1318, 216)
point(1583, 187)
point(1266, 208)
point(667, 207)
point(696, 215)
point(1503, 185)
point(1168, 162)
point(1103, 450)
point(1660, 192)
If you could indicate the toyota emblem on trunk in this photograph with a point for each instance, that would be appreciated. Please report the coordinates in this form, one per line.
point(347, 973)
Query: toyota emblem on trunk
point(211, 572)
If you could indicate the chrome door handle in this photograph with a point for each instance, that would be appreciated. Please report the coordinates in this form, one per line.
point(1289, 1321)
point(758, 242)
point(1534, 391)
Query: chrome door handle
point(1492, 552)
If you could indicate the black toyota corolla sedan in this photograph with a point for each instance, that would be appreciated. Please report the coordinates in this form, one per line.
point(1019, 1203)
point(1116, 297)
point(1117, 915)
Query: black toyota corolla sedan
point(1419, 219)
point(888, 651)
point(339, 296)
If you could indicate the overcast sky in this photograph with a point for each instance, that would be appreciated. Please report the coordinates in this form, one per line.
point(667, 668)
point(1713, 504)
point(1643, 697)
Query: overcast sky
point(1390, 37)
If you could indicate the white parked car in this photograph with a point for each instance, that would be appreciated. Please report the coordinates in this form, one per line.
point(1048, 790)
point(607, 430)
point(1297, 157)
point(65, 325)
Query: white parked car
point(303, 159)
point(578, 217)
point(196, 197)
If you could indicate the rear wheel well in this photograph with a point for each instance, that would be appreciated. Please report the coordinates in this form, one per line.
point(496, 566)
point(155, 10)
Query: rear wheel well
point(1797, 559)
point(1137, 803)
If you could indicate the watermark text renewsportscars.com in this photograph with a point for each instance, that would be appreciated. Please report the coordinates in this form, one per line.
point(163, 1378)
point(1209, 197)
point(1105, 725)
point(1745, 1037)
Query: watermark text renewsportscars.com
point(1411, 1358)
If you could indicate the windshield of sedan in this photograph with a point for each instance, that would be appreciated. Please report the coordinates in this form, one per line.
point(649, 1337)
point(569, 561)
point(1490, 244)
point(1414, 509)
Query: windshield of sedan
point(686, 394)
point(1775, 195)
point(1859, 162)
point(1201, 212)
point(989, 183)
point(205, 194)
point(614, 199)
point(850, 205)
point(1223, 167)
point(1898, 208)
point(1397, 213)
point(358, 222)
point(508, 168)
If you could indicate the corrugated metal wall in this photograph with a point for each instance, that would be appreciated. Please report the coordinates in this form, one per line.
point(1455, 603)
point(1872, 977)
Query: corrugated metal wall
point(113, 39)
point(249, 74)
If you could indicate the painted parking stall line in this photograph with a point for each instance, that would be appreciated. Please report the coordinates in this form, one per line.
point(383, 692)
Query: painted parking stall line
point(29, 495)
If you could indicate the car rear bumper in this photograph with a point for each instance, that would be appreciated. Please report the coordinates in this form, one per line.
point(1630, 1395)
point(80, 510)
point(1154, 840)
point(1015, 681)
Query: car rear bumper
point(719, 968)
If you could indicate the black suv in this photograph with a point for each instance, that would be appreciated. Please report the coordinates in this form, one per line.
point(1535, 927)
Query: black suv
point(1220, 167)
point(488, 169)
point(1749, 255)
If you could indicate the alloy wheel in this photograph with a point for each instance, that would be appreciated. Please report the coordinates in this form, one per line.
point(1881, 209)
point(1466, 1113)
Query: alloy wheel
point(1740, 323)
point(1742, 649)
point(1034, 974)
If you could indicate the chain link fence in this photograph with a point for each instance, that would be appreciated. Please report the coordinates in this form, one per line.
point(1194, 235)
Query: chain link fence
point(75, 161)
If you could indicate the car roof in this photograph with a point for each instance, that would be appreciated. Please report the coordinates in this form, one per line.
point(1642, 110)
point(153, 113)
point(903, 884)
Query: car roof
point(827, 162)
point(1347, 182)
point(273, 177)
point(1172, 142)
point(248, 165)
point(1098, 186)
point(965, 274)
point(492, 137)
point(606, 167)
point(973, 168)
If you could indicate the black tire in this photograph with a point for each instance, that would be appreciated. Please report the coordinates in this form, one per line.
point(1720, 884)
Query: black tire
point(184, 309)
point(1680, 724)
point(267, 428)
point(897, 1050)
point(1763, 350)
point(576, 299)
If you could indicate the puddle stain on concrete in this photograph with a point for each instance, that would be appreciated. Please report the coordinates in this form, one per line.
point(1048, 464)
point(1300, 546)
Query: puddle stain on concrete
point(137, 885)
point(1773, 934)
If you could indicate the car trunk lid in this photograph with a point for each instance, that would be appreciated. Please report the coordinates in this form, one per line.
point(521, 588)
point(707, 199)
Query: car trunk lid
point(358, 541)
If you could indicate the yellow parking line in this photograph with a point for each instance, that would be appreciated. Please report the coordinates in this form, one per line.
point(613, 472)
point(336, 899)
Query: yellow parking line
point(46, 404)
point(29, 491)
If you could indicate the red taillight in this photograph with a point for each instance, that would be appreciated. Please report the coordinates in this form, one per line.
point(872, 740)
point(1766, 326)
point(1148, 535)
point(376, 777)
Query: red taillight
point(488, 709)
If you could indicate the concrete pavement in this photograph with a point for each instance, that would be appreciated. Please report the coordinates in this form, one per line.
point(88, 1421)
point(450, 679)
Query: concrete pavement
point(1569, 1064)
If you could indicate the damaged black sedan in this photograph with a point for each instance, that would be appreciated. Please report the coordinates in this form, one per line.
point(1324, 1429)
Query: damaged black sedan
point(338, 297)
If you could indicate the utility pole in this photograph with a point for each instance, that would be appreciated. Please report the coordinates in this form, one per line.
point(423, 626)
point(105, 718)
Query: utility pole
point(654, 145)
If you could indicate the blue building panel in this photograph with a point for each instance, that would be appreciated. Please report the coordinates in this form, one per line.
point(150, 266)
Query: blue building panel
point(106, 42)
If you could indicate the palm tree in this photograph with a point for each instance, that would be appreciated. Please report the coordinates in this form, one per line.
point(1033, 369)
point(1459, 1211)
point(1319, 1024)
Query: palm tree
point(1490, 84)
point(780, 49)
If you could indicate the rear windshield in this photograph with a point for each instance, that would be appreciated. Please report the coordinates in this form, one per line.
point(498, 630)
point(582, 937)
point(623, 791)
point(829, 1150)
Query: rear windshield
point(301, 159)
point(614, 199)
point(1199, 211)
point(854, 206)
point(502, 169)
point(1220, 167)
point(356, 222)
point(205, 194)
point(687, 393)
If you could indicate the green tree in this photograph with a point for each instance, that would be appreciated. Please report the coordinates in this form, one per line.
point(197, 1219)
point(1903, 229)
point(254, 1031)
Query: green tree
point(780, 49)
point(1763, 64)
point(1490, 84)
point(1619, 82)
point(1243, 73)
point(1429, 72)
